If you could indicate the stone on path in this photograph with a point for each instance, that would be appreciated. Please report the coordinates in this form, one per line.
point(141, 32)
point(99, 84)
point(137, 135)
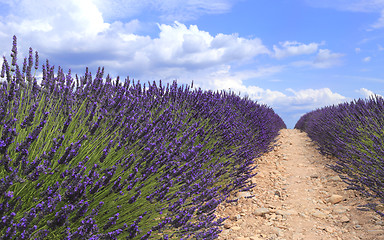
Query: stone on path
point(243, 194)
point(335, 199)
point(318, 214)
point(261, 211)
point(286, 212)
point(344, 219)
point(334, 179)
point(340, 209)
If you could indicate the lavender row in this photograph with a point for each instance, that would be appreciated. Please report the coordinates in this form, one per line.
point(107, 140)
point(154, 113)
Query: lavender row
point(353, 133)
point(91, 158)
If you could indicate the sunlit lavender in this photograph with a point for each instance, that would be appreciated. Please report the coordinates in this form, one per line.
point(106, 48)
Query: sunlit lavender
point(83, 157)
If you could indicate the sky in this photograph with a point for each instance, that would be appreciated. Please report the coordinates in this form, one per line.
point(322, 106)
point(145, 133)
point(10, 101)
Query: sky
point(293, 55)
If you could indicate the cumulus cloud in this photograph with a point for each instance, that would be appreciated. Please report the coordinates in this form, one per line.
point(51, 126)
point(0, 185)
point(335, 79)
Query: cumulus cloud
point(78, 36)
point(314, 98)
point(36, 16)
point(366, 93)
point(291, 100)
point(283, 101)
point(367, 59)
point(171, 10)
point(178, 44)
point(74, 23)
point(294, 48)
point(380, 22)
point(324, 59)
point(225, 78)
point(179, 50)
point(291, 104)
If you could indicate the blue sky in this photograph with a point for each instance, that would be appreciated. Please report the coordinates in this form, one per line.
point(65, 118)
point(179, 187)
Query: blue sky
point(293, 55)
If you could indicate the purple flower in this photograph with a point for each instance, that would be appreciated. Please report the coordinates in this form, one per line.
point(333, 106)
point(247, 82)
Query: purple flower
point(14, 51)
point(60, 217)
point(36, 60)
point(111, 222)
point(106, 151)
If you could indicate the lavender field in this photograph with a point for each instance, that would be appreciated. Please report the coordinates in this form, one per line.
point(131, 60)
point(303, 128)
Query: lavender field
point(353, 133)
point(106, 160)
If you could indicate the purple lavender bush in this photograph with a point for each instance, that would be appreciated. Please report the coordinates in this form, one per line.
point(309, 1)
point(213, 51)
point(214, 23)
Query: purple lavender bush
point(353, 133)
point(107, 160)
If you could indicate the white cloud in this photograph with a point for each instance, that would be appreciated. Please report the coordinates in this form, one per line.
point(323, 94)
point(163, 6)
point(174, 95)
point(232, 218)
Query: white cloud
point(354, 6)
point(357, 50)
point(79, 36)
point(224, 78)
point(221, 77)
point(178, 44)
point(294, 48)
point(170, 10)
point(82, 17)
point(366, 93)
point(74, 23)
point(380, 47)
point(380, 22)
point(179, 50)
point(290, 100)
point(314, 98)
point(367, 59)
point(324, 59)
point(283, 101)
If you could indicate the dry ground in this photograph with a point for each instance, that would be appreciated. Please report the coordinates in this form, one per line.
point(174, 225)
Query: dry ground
point(298, 197)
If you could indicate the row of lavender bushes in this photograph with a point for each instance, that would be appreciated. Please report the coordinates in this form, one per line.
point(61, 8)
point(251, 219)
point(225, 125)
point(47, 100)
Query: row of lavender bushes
point(107, 160)
point(354, 134)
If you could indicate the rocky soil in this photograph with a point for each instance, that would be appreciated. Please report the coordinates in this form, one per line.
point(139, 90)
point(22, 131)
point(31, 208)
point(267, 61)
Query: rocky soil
point(298, 197)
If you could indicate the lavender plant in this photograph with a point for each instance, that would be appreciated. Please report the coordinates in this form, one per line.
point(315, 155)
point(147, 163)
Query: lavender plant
point(120, 161)
point(353, 133)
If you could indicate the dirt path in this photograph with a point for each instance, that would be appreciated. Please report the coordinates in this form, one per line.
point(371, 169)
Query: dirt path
point(298, 197)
